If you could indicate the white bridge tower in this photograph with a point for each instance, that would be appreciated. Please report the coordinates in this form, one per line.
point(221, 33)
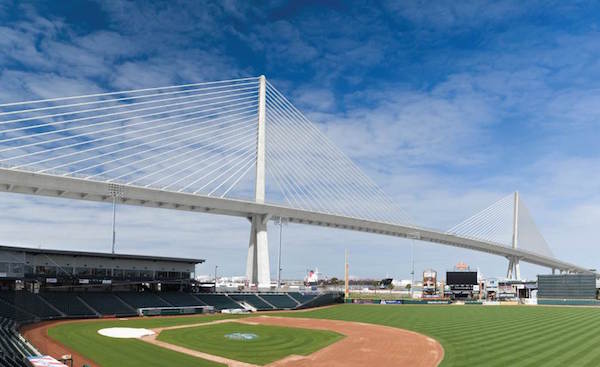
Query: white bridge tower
point(514, 271)
point(257, 264)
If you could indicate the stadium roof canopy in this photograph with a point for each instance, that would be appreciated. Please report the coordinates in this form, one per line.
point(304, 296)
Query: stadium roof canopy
point(30, 250)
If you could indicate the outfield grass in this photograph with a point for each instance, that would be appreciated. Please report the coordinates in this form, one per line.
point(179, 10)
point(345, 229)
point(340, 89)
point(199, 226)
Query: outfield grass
point(474, 335)
point(83, 337)
point(272, 343)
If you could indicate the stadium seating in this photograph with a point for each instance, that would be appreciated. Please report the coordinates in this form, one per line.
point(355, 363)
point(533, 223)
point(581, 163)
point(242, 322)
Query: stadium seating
point(13, 347)
point(68, 304)
point(9, 311)
point(141, 299)
point(281, 301)
point(31, 303)
point(218, 301)
point(180, 299)
point(253, 300)
point(23, 306)
point(302, 297)
point(107, 304)
point(323, 299)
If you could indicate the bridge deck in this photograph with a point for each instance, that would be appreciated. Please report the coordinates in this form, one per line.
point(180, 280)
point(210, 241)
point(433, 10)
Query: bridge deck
point(74, 188)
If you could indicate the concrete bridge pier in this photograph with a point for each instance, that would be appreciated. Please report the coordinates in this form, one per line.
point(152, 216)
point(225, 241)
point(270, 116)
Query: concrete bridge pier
point(258, 271)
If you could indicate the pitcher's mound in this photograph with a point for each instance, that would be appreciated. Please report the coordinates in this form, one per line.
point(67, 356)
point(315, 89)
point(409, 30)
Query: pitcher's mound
point(125, 332)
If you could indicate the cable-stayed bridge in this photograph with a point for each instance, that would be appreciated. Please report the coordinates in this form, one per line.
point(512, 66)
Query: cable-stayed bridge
point(235, 147)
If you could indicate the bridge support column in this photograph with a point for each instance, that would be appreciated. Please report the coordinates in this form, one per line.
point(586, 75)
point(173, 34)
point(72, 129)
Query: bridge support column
point(513, 271)
point(258, 271)
point(257, 263)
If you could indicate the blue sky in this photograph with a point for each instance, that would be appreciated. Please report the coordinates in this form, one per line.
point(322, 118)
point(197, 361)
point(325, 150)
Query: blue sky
point(447, 105)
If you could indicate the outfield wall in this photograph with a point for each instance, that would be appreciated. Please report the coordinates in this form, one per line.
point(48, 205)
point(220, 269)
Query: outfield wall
point(397, 301)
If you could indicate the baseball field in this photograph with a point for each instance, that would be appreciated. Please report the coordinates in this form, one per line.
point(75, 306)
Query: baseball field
point(470, 335)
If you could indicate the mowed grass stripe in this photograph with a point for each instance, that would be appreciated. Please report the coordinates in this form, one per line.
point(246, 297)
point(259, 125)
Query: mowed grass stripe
point(271, 344)
point(560, 353)
point(481, 346)
point(546, 332)
point(491, 335)
point(589, 356)
point(524, 332)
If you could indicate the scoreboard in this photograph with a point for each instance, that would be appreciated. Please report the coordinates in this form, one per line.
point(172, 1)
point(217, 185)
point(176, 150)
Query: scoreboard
point(462, 283)
point(461, 278)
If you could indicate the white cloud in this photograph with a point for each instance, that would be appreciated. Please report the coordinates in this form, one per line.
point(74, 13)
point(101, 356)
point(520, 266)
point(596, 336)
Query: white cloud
point(411, 127)
point(457, 15)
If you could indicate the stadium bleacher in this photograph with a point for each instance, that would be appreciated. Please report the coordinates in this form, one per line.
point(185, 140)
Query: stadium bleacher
point(30, 303)
point(253, 300)
point(23, 306)
point(181, 299)
point(141, 299)
point(323, 299)
point(11, 312)
point(282, 301)
point(68, 304)
point(107, 303)
point(218, 301)
point(13, 347)
point(302, 297)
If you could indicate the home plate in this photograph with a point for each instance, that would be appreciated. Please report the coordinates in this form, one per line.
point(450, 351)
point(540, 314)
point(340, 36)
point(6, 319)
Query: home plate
point(125, 332)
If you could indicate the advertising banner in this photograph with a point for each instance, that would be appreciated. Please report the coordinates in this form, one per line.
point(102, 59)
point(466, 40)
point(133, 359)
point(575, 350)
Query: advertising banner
point(391, 302)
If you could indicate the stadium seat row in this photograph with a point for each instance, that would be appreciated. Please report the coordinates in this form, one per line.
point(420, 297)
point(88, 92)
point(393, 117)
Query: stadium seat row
point(23, 306)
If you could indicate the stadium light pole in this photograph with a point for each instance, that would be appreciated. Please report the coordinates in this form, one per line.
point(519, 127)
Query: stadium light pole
point(216, 267)
point(281, 223)
point(412, 268)
point(412, 236)
point(116, 192)
point(114, 219)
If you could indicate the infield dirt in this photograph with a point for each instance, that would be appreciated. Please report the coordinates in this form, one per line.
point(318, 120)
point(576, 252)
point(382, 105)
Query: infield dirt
point(364, 345)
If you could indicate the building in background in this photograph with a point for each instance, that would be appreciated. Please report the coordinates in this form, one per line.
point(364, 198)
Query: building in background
point(430, 283)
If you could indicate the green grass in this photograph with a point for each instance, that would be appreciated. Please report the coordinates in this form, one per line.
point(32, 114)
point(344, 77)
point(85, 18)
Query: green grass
point(109, 352)
point(523, 336)
point(273, 342)
point(500, 336)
